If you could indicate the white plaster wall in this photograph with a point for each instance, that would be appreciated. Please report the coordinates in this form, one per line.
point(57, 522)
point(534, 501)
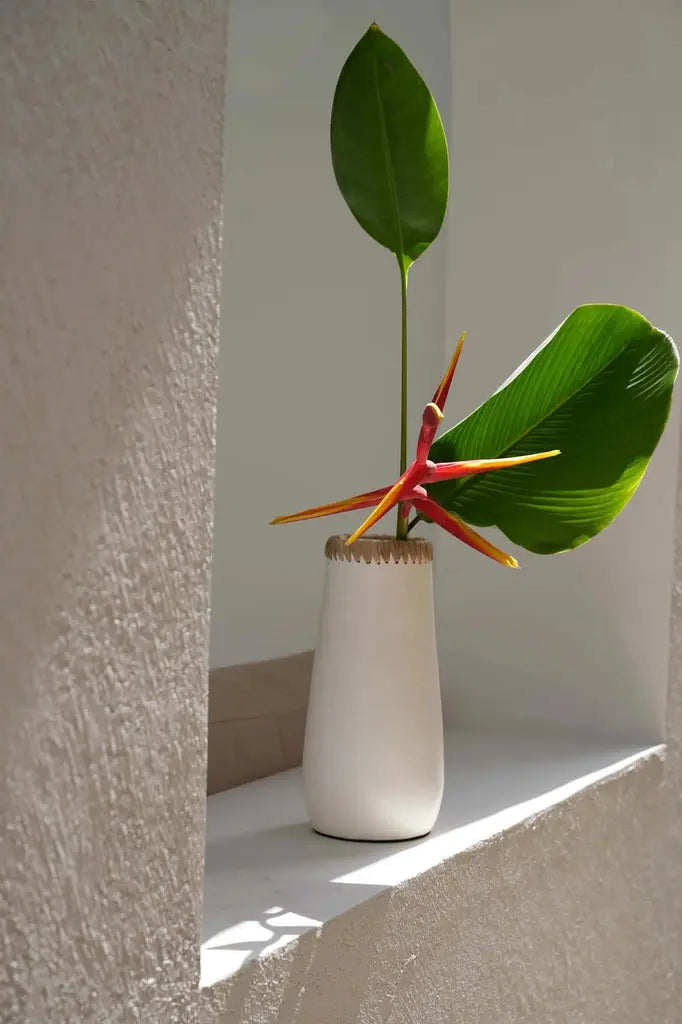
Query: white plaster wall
point(110, 206)
point(310, 355)
point(568, 167)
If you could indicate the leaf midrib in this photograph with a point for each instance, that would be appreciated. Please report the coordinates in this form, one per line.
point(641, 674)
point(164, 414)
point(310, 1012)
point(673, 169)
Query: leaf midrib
point(388, 164)
point(459, 488)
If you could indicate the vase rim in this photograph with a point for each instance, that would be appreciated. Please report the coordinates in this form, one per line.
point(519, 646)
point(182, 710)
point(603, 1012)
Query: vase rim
point(379, 549)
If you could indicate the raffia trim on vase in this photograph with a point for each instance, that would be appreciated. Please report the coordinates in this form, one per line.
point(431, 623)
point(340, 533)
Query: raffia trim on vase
point(379, 549)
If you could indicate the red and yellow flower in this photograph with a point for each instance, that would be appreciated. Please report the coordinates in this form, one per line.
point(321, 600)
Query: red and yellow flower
point(409, 490)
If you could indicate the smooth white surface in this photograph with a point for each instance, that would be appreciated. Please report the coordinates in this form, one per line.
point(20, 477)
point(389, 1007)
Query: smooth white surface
point(310, 350)
point(567, 166)
point(269, 877)
point(373, 754)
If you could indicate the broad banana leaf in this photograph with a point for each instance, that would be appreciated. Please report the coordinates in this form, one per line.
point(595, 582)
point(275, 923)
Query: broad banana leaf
point(600, 390)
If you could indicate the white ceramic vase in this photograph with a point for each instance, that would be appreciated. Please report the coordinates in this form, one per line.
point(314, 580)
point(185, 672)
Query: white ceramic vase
point(373, 752)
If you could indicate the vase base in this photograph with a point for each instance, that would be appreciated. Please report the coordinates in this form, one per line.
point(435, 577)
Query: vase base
point(345, 839)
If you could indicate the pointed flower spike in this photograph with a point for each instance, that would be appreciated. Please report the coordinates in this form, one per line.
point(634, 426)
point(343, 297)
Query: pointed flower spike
point(431, 418)
point(400, 489)
point(440, 397)
point(453, 470)
point(463, 532)
point(359, 501)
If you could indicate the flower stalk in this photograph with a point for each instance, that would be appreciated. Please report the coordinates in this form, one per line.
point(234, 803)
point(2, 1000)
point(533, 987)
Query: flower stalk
point(401, 526)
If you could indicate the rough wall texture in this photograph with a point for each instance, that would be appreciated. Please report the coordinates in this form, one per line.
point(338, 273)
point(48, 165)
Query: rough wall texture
point(110, 206)
point(560, 922)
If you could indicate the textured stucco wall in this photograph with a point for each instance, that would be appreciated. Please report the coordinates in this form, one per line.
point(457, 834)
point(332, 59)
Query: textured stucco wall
point(570, 919)
point(110, 206)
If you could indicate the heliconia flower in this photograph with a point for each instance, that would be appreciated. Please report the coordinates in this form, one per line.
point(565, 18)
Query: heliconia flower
point(409, 492)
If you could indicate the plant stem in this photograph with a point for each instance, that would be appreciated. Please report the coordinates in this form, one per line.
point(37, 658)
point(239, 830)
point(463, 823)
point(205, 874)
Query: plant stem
point(413, 522)
point(401, 527)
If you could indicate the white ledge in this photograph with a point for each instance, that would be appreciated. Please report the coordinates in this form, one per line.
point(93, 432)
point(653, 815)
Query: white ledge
point(269, 878)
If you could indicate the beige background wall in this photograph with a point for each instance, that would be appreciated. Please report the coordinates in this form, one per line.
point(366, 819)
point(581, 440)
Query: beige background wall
point(567, 168)
point(110, 195)
point(256, 719)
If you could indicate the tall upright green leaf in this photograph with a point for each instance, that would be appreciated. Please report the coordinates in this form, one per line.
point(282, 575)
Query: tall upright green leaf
point(388, 147)
point(599, 389)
